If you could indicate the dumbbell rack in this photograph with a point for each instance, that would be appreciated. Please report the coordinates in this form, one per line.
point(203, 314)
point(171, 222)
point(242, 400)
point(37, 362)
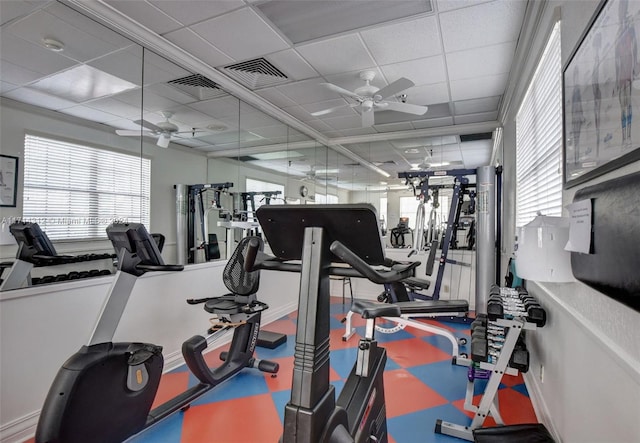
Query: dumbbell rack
point(496, 366)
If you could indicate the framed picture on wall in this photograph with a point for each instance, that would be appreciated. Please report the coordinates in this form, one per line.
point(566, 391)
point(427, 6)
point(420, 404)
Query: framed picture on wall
point(8, 180)
point(601, 84)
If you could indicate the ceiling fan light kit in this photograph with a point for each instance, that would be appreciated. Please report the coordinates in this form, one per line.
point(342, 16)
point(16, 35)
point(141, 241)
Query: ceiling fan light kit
point(369, 98)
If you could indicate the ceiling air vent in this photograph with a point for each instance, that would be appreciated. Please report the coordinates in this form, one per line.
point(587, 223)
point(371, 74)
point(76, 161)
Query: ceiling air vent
point(475, 137)
point(198, 86)
point(255, 74)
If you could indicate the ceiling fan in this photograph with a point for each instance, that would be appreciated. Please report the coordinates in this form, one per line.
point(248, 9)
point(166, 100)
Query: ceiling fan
point(164, 131)
point(370, 98)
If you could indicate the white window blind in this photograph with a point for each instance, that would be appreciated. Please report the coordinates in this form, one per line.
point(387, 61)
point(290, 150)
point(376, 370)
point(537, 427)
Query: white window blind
point(74, 192)
point(539, 139)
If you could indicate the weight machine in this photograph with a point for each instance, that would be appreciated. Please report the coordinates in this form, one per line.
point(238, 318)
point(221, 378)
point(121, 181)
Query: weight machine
point(190, 211)
point(486, 191)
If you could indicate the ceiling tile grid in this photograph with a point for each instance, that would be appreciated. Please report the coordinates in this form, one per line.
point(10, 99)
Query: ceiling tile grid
point(457, 53)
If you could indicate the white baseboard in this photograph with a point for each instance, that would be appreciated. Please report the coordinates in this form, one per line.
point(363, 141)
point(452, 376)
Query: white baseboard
point(20, 429)
point(539, 405)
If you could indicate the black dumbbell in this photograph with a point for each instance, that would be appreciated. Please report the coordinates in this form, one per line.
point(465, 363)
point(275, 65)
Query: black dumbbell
point(537, 315)
point(520, 359)
point(479, 349)
point(73, 275)
point(495, 310)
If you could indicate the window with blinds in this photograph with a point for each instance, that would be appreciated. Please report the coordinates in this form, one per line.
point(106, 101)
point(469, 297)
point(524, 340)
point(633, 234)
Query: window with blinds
point(539, 139)
point(74, 192)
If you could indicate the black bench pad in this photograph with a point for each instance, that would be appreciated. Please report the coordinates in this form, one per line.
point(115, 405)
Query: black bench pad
point(432, 306)
point(525, 433)
point(373, 309)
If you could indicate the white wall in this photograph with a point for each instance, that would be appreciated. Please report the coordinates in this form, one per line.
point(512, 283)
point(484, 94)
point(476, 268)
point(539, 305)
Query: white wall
point(41, 326)
point(584, 376)
point(168, 167)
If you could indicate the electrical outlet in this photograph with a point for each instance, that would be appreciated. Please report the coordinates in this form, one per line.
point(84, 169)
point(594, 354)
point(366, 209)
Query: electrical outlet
point(541, 373)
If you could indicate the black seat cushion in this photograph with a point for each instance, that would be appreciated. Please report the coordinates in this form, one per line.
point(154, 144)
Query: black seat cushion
point(433, 306)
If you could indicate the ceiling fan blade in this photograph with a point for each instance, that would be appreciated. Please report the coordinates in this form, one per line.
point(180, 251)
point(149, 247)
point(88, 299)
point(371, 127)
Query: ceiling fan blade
point(367, 118)
point(148, 125)
point(134, 133)
point(328, 110)
point(393, 88)
point(341, 91)
point(406, 108)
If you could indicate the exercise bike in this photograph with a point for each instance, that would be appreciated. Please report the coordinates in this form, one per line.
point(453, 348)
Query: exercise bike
point(105, 391)
point(318, 236)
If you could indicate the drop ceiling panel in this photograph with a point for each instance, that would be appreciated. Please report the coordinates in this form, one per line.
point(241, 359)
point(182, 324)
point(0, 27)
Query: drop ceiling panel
point(115, 107)
point(391, 127)
point(482, 25)
point(307, 91)
point(89, 113)
point(159, 69)
point(476, 118)
point(345, 108)
point(312, 19)
point(17, 74)
point(358, 131)
point(490, 60)
point(433, 123)
point(404, 41)
point(292, 64)
point(423, 71)
point(152, 102)
point(346, 53)
point(258, 38)
point(428, 94)
point(31, 57)
point(78, 45)
point(227, 106)
point(5, 86)
point(478, 87)
point(199, 47)
point(146, 14)
point(276, 97)
point(192, 12)
point(122, 64)
point(477, 105)
point(10, 10)
point(38, 98)
point(87, 25)
point(344, 122)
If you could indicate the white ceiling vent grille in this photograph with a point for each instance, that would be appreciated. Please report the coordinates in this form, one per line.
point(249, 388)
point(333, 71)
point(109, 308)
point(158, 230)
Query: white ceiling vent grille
point(198, 86)
point(257, 73)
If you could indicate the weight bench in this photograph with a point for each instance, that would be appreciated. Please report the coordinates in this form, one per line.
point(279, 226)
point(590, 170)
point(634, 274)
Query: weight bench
point(409, 310)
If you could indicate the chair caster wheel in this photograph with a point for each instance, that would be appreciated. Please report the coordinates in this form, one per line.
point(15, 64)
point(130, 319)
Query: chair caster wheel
point(274, 375)
point(462, 341)
point(464, 355)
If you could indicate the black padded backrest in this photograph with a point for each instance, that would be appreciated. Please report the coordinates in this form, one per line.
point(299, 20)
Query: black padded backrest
point(612, 267)
point(236, 279)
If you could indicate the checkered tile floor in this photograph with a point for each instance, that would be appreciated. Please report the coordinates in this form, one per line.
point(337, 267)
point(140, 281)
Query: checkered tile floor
point(421, 386)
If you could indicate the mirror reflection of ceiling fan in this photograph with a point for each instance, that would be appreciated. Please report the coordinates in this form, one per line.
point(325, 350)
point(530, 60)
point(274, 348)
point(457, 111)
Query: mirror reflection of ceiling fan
point(429, 163)
point(370, 98)
point(321, 175)
point(164, 131)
